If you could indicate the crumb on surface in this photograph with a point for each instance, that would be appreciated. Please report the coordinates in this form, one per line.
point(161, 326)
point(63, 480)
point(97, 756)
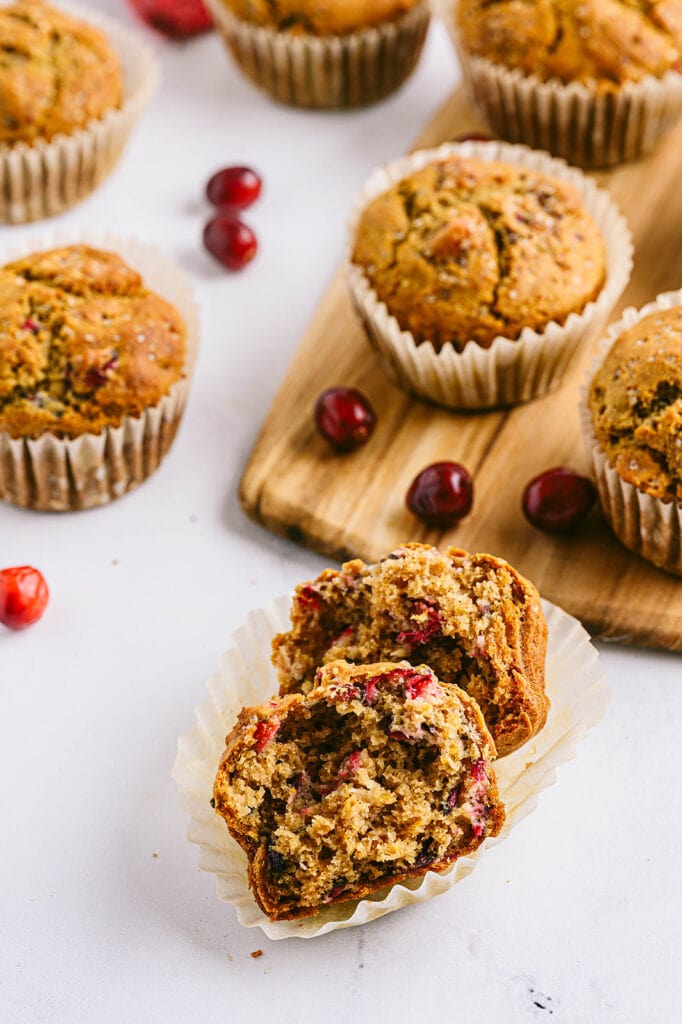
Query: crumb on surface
point(256, 954)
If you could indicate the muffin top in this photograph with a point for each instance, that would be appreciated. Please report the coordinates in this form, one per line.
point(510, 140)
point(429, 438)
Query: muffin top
point(82, 343)
point(56, 73)
point(320, 17)
point(636, 404)
point(607, 41)
point(467, 249)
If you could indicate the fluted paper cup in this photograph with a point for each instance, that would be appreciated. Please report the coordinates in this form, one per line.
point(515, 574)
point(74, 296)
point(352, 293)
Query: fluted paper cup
point(326, 72)
point(53, 474)
point(649, 526)
point(588, 126)
point(575, 685)
point(45, 178)
point(510, 370)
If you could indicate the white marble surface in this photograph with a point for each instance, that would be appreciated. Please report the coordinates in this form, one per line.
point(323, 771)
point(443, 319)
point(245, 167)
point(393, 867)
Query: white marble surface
point(576, 918)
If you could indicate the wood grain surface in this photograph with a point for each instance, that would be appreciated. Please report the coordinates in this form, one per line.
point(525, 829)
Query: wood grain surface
point(353, 505)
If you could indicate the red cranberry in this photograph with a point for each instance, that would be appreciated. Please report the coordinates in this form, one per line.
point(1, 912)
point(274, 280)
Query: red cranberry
point(441, 494)
point(23, 596)
point(234, 188)
point(175, 18)
point(231, 242)
point(474, 137)
point(345, 418)
point(558, 500)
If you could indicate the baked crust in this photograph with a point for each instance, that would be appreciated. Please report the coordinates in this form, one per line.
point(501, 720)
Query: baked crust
point(467, 249)
point(636, 403)
point(472, 618)
point(56, 73)
point(320, 17)
point(83, 343)
point(606, 41)
point(378, 775)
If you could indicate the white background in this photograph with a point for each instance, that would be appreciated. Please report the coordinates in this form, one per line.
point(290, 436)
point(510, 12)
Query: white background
point(576, 917)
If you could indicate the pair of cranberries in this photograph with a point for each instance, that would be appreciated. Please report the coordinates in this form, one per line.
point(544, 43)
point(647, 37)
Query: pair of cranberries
point(178, 19)
point(443, 493)
point(228, 239)
point(23, 596)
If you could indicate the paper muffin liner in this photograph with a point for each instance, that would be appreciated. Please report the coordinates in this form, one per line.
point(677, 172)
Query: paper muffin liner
point(646, 525)
point(575, 685)
point(510, 370)
point(44, 178)
point(326, 72)
point(53, 474)
point(585, 125)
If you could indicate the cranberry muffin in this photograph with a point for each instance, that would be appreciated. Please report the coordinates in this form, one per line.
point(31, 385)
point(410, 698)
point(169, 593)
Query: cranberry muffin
point(324, 53)
point(595, 81)
point(634, 433)
point(473, 619)
point(379, 774)
point(57, 73)
point(469, 250)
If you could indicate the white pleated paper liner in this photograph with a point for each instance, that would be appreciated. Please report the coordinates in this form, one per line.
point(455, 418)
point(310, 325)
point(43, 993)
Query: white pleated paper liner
point(326, 72)
point(585, 125)
point(575, 685)
point(45, 178)
point(510, 370)
point(650, 527)
point(53, 474)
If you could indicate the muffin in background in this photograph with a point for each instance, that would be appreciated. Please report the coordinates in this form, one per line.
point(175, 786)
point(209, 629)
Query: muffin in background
point(479, 269)
point(94, 373)
point(595, 81)
point(325, 54)
point(632, 424)
point(70, 93)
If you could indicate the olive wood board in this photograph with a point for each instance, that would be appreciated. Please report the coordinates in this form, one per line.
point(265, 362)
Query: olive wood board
point(354, 505)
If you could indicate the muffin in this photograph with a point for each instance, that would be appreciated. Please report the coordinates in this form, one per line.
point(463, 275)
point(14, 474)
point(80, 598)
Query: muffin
point(595, 81)
point(474, 620)
point(478, 269)
point(633, 427)
point(324, 53)
point(93, 377)
point(378, 775)
point(69, 94)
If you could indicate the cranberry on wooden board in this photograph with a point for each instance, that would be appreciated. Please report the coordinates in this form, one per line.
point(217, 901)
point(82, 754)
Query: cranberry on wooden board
point(345, 418)
point(234, 188)
point(23, 596)
point(558, 500)
point(441, 494)
point(230, 241)
point(178, 19)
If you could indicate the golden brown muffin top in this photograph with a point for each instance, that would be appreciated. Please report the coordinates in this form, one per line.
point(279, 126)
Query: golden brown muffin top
point(320, 17)
point(471, 249)
point(56, 73)
point(607, 41)
point(83, 343)
point(636, 404)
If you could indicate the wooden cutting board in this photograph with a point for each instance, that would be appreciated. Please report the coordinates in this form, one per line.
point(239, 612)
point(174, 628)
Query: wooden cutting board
point(353, 505)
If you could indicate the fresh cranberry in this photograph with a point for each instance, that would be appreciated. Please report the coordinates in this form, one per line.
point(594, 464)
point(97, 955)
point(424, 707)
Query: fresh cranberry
point(231, 241)
point(23, 596)
point(175, 18)
point(345, 418)
point(441, 494)
point(558, 500)
point(474, 137)
point(234, 188)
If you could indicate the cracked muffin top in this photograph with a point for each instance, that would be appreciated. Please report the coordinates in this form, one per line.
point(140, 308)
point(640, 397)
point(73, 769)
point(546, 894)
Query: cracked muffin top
point(636, 404)
point(320, 17)
point(467, 249)
point(607, 41)
point(56, 73)
point(83, 343)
